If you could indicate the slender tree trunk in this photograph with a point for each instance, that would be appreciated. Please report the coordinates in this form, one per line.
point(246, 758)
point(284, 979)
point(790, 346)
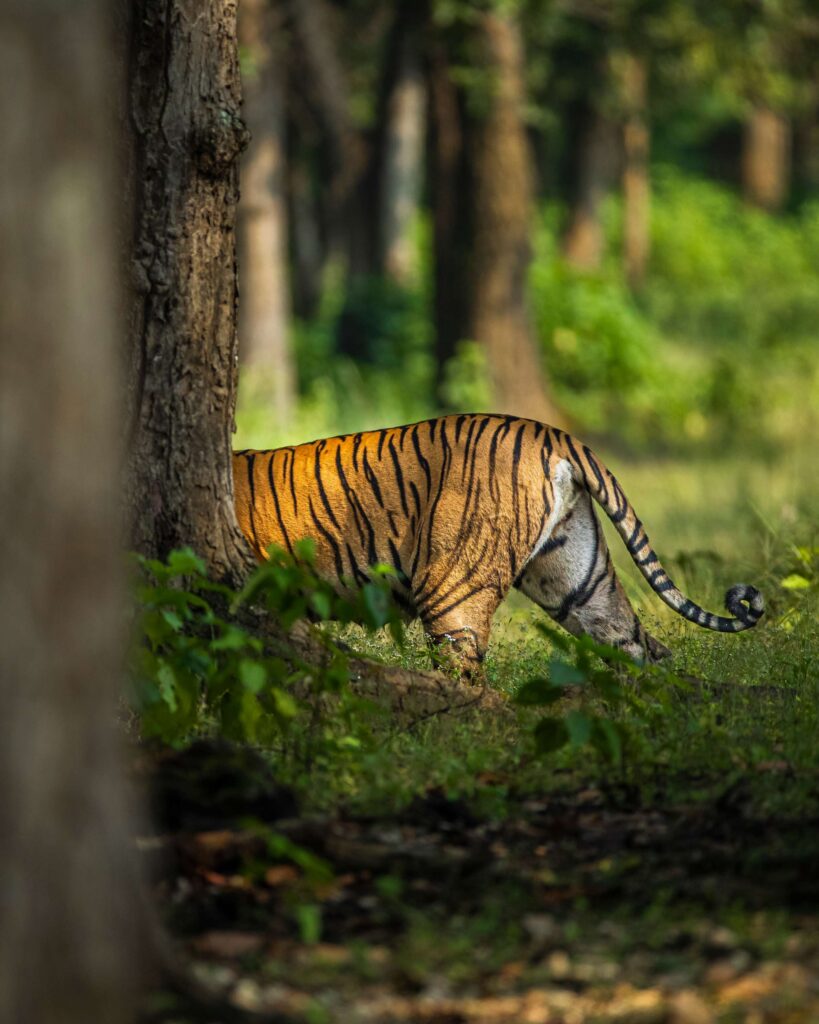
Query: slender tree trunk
point(593, 169)
point(184, 96)
point(263, 278)
point(308, 249)
point(402, 154)
point(345, 156)
point(450, 185)
point(70, 916)
point(806, 151)
point(502, 216)
point(766, 158)
point(636, 184)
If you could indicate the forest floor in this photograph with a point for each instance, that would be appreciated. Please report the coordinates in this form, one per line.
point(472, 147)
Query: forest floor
point(590, 904)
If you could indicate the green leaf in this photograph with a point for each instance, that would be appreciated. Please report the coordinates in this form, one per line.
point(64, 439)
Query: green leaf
point(172, 619)
point(376, 604)
point(252, 675)
point(285, 704)
point(184, 562)
point(606, 739)
point(795, 582)
point(579, 727)
point(321, 605)
point(539, 691)
point(232, 639)
point(563, 674)
point(308, 918)
point(167, 685)
point(550, 734)
point(305, 550)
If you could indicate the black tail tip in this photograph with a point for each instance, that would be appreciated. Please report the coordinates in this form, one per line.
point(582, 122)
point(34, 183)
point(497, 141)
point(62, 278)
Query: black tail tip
point(745, 603)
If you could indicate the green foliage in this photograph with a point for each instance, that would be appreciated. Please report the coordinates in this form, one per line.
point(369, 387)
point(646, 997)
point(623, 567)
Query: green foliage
point(724, 272)
point(198, 666)
point(604, 681)
point(720, 343)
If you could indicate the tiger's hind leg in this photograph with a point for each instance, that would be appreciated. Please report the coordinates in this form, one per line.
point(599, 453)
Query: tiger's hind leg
point(572, 578)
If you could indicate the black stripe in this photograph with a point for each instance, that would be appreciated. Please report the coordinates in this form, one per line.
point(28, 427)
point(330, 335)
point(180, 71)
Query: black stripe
point(598, 475)
point(396, 559)
point(552, 544)
point(322, 493)
point(372, 480)
point(349, 494)
point(275, 494)
point(421, 459)
point(250, 460)
point(293, 483)
point(454, 604)
point(334, 546)
point(399, 477)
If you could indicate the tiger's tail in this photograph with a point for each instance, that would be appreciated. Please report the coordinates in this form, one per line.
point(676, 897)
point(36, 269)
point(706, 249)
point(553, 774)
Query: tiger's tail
point(744, 602)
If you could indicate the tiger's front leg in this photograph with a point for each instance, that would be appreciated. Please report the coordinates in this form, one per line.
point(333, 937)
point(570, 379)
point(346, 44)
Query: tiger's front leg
point(459, 628)
point(573, 579)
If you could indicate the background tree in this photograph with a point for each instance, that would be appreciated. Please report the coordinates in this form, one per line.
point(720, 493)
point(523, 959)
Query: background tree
point(70, 918)
point(263, 274)
point(486, 188)
point(184, 97)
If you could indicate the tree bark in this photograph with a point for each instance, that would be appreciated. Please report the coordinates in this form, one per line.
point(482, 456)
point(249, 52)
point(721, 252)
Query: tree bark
point(343, 150)
point(451, 214)
point(636, 186)
point(401, 149)
point(70, 914)
point(263, 274)
point(184, 109)
point(592, 172)
point(502, 215)
point(766, 158)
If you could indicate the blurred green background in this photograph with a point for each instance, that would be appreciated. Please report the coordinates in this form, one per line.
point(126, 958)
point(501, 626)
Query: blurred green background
point(659, 162)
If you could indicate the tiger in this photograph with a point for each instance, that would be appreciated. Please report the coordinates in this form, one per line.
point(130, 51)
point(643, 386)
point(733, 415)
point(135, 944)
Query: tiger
point(464, 508)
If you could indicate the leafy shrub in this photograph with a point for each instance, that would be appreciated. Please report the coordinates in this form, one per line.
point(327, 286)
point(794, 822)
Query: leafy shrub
point(197, 667)
point(722, 271)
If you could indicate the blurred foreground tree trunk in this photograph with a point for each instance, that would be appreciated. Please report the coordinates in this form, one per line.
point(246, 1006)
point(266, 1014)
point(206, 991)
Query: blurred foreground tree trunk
point(265, 306)
point(184, 108)
point(766, 158)
point(70, 913)
point(487, 221)
point(636, 184)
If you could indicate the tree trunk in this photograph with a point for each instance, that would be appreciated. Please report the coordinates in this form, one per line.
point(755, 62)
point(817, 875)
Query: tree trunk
point(766, 158)
point(592, 173)
point(502, 216)
point(345, 156)
point(263, 276)
point(449, 184)
point(70, 914)
point(636, 186)
point(402, 153)
point(184, 97)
